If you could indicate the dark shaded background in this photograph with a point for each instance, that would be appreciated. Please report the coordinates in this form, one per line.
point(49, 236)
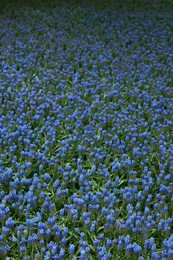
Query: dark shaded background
point(8, 6)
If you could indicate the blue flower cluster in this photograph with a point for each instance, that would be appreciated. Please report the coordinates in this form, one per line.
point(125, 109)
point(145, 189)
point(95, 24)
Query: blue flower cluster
point(86, 130)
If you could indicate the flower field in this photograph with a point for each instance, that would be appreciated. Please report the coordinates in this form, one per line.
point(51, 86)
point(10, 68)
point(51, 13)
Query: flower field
point(86, 134)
